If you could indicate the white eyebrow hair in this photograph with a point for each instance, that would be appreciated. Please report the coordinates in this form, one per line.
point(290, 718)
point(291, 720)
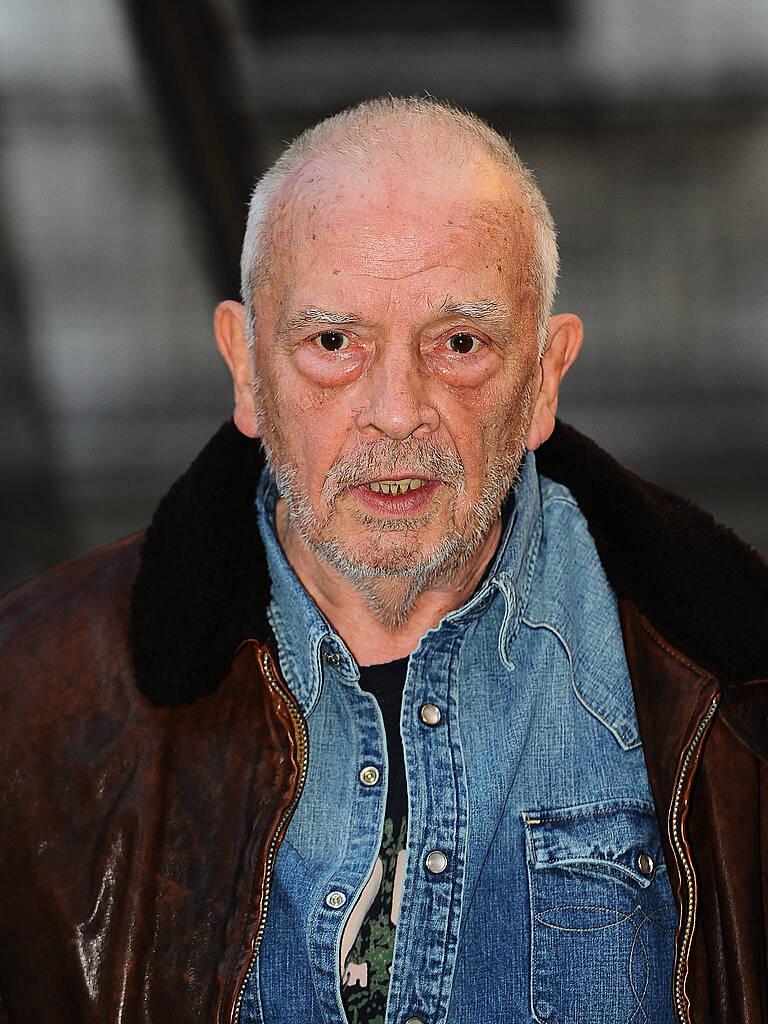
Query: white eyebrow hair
point(484, 311)
point(309, 316)
point(487, 310)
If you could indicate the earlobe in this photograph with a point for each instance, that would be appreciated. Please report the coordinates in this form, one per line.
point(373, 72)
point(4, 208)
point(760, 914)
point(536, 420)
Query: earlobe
point(230, 328)
point(563, 343)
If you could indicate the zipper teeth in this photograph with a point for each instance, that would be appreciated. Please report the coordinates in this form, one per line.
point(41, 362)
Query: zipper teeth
point(681, 965)
point(301, 730)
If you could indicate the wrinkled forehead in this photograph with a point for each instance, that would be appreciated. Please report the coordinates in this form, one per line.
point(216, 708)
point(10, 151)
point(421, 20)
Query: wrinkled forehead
point(402, 208)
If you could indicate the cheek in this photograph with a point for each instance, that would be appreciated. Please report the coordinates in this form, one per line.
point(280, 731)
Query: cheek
point(474, 433)
point(313, 425)
point(487, 427)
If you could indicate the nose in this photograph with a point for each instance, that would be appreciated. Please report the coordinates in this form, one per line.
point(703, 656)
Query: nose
point(398, 401)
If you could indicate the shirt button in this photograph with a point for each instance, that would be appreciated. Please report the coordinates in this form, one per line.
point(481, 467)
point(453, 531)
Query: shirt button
point(332, 658)
point(436, 862)
point(430, 714)
point(369, 776)
point(645, 864)
point(414, 1020)
point(335, 899)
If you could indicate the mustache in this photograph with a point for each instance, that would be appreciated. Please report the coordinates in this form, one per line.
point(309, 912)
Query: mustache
point(384, 458)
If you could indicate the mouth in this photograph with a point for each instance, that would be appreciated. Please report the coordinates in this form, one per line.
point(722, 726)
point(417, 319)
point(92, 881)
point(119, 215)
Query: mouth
point(396, 486)
point(400, 497)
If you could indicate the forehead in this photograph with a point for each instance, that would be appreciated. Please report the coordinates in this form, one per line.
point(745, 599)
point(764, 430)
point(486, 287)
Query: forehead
point(400, 217)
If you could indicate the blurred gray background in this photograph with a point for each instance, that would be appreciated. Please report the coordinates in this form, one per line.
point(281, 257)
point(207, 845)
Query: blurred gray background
point(129, 135)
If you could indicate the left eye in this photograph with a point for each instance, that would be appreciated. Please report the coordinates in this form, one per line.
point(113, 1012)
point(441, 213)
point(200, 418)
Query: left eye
point(332, 341)
point(463, 344)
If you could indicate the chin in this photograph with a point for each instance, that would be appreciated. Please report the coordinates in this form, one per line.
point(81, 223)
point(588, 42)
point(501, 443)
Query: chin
point(398, 558)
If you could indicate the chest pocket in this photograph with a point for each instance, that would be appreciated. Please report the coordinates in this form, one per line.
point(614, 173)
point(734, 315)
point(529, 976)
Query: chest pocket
point(602, 915)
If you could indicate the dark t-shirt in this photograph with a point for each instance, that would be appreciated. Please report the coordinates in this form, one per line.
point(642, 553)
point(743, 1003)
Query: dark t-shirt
point(370, 931)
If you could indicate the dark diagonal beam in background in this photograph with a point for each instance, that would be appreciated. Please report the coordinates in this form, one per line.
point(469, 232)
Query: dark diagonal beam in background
point(34, 522)
point(185, 53)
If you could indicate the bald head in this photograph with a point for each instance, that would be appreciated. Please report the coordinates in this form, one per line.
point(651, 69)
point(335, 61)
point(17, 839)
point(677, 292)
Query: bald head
point(409, 153)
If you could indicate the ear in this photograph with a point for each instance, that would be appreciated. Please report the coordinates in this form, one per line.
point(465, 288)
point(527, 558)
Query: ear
point(230, 327)
point(563, 343)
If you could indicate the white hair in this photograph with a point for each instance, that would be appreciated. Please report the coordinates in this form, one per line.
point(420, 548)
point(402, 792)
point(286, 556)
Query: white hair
point(356, 131)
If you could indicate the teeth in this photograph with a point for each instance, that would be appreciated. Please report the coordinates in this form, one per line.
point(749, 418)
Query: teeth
point(395, 486)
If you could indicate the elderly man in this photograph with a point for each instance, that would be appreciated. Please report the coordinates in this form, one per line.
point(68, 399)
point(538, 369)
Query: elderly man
point(403, 723)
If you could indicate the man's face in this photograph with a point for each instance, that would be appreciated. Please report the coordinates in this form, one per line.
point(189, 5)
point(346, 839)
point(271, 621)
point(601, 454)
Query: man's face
point(396, 348)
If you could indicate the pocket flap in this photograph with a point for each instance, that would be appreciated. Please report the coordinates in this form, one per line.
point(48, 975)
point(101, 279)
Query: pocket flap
point(615, 838)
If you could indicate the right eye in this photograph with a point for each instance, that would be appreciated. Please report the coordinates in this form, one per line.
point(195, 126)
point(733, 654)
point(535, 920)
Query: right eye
point(332, 341)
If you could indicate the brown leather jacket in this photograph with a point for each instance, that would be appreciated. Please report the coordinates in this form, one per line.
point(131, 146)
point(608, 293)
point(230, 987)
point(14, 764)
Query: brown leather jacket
point(152, 756)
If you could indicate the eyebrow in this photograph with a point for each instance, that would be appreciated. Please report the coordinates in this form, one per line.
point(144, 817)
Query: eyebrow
point(311, 315)
point(484, 310)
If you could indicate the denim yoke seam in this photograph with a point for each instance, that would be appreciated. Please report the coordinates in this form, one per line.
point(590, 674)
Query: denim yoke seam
point(468, 894)
point(543, 624)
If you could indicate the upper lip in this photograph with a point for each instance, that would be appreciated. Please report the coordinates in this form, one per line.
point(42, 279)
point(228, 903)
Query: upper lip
point(399, 476)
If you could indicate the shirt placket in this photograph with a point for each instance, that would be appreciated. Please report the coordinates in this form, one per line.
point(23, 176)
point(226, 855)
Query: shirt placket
point(428, 925)
point(366, 827)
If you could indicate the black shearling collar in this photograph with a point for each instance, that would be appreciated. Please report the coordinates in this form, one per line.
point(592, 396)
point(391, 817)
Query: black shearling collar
point(203, 587)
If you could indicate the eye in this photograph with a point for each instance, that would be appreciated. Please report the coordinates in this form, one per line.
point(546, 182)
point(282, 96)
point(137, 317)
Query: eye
point(332, 341)
point(463, 344)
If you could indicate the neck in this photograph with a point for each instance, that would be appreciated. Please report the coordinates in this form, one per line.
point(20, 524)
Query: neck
point(370, 640)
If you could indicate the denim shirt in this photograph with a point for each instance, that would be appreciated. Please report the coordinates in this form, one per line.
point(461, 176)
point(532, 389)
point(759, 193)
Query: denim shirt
point(555, 904)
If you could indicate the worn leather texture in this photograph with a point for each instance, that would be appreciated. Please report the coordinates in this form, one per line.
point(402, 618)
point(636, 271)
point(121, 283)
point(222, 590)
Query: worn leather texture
point(133, 837)
point(724, 818)
point(136, 832)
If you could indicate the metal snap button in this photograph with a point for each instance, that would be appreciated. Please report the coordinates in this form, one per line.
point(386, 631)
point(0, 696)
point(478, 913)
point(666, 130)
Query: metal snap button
point(332, 658)
point(335, 899)
point(436, 862)
point(414, 1020)
point(430, 714)
point(369, 776)
point(645, 864)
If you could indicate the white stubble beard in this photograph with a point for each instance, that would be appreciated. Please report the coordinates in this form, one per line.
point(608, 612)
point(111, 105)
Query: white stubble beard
point(392, 604)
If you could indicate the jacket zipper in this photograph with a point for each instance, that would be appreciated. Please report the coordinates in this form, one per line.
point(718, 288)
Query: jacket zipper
point(688, 877)
point(285, 817)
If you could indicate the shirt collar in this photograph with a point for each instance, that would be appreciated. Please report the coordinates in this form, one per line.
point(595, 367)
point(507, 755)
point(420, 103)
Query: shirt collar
point(306, 641)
